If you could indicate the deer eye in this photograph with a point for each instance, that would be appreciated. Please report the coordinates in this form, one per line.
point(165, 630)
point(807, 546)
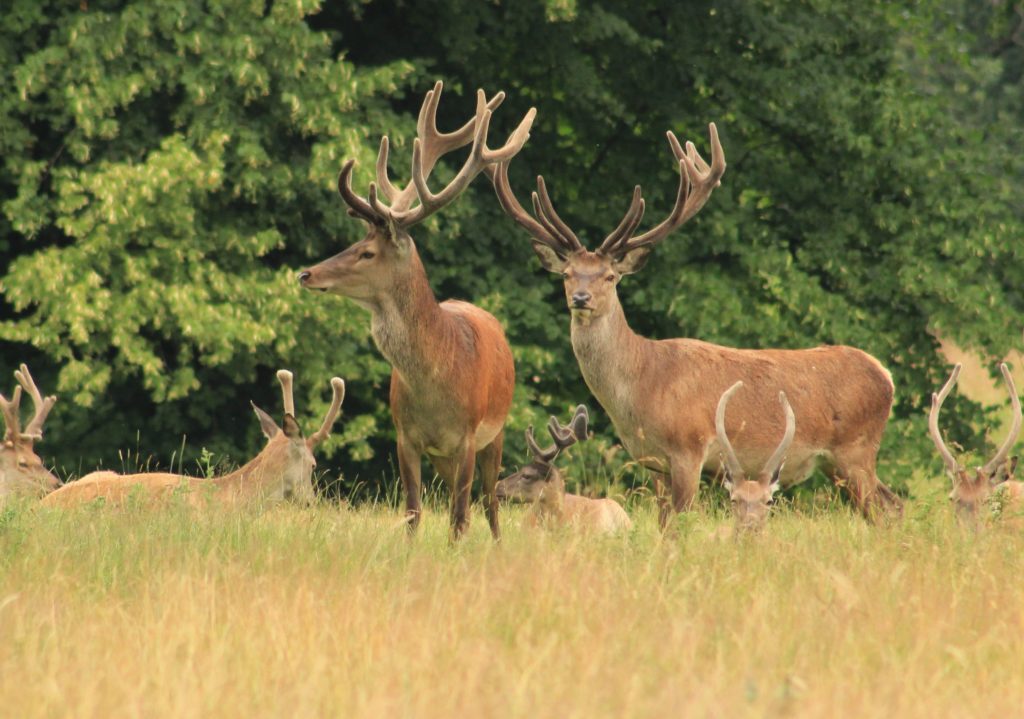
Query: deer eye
point(609, 278)
point(565, 275)
point(367, 255)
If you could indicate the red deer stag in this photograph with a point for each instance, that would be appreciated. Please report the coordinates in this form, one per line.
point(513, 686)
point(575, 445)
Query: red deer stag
point(751, 499)
point(992, 481)
point(541, 484)
point(452, 374)
point(661, 394)
point(22, 473)
point(283, 470)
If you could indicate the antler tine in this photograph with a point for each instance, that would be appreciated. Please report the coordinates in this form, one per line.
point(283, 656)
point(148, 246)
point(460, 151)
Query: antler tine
point(510, 205)
point(358, 207)
point(580, 422)
point(541, 455)
point(696, 183)
point(564, 436)
point(775, 461)
point(627, 226)
point(338, 389)
point(10, 408)
point(735, 468)
point(285, 378)
point(933, 424)
point(545, 212)
point(990, 468)
point(42, 406)
point(383, 181)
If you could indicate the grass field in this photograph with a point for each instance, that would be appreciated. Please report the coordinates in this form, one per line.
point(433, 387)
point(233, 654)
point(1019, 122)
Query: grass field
point(331, 611)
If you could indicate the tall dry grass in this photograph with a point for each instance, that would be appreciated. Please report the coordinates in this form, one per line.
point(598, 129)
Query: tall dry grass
point(332, 612)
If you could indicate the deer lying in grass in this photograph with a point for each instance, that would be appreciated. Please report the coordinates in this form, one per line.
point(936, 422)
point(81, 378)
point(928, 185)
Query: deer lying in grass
point(283, 470)
point(452, 374)
point(992, 482)
point(843, 395)
point(542, 485)
point(22, 473)
point(751, 499)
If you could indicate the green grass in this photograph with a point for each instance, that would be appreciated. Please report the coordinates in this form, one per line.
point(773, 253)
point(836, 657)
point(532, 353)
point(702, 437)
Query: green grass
point(332, 611)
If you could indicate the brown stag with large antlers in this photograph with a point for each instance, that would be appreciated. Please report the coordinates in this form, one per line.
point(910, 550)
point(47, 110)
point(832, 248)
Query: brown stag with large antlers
point(992, 480)
point(21, 470)
point(541, 484)
point(751, 498)
point(661, 394)
point(452, 373)
point(283, 470)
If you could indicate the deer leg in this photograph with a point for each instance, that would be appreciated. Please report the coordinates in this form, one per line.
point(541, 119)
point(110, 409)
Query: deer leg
point(466, 468)
point(409, 467)
point(661, 495)
point(489, 460)
point(684, 472)
point(855, 470)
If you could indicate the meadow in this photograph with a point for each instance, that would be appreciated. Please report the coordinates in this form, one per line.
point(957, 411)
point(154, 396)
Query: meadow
point(331, 610)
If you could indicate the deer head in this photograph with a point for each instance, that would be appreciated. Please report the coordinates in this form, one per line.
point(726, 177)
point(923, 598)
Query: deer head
point(540, 479)
point(380, 263)
point(289, 454)
point(591, 278)
point(751, 499)
point(21, 470)
point(971, 493)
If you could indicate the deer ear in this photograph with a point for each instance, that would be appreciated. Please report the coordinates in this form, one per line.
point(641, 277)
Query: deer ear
point(291, 427)
point(267, 423)
point(633, 260)
point(549, 259)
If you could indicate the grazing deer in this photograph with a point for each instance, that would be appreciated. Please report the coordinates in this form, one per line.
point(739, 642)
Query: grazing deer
point(452, 374)
point(283, 470)
point(994, 480)
point(842, 394)
point(21, 470)
point(751, 499)
point(542, 485)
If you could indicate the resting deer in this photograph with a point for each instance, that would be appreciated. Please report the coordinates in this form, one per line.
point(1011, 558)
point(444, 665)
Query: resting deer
point(283, 470)
point(751, 499)
point(22, 472)
point(842, 394)
point(452, 374)
point(994, 479)
point(542, 485)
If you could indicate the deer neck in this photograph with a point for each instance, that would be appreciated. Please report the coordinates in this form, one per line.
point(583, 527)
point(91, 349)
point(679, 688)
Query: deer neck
point(251, 479)
point(550, 506)
point(609, 354)
point(407, 320)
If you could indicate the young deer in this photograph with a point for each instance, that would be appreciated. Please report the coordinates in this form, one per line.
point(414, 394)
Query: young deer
point(283, 470)
point(751, 499)
point(993, 480)
point(21, 470)
point(842, 394)
point(542, 485)
point(452, 374)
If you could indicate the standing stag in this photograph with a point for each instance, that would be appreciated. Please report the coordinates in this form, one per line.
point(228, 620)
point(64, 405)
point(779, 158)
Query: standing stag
point(541, 484)
point(751, 499)
point(452, 374)
point(990, 481)
point(21, 470)
point(283, 470)
point(661, 394)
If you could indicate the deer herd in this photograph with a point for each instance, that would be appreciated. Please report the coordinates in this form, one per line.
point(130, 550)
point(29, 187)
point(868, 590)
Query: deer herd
point(760, 419)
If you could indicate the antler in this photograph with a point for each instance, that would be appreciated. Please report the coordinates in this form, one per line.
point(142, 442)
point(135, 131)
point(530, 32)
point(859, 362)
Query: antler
point(566, 436)
point(933, 424)
point(10, 408)
point(540, 455)
point(338, 387)
point(429, 145)
point(548, 229)
point(729, 455)
point(697, 180)
point(990, 468)
point(285, 378)
point(775, 461)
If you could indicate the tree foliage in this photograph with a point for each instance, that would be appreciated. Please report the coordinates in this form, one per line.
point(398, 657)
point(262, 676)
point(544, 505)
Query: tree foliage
point(168, 166)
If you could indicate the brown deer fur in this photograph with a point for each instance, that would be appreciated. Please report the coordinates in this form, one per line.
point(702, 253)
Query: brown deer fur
point(281, 471)
point(661, 394)
point(22, 473)
point(452, 372)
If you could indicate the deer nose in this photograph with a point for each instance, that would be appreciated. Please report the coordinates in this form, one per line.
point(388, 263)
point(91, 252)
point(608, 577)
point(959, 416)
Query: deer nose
point(580, 299)
point(303, 276)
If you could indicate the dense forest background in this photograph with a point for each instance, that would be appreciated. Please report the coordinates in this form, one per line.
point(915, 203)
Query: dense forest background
point(166, 168)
